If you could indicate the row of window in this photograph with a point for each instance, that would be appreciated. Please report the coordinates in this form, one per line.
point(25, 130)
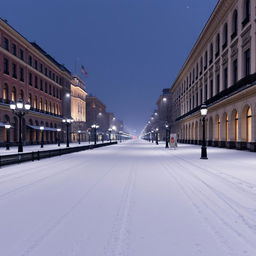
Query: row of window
point(33, 80)
point(208, 60)
point(47, 106)
point(31, 61)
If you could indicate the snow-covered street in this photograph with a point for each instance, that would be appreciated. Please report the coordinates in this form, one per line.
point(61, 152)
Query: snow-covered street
point(134, 198)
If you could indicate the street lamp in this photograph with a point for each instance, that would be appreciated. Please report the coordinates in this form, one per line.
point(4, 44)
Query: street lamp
point(166, 134)
point(157, 136)
point(67, 122)
point(204, 111)
point(7, 128)
point(42, 136)
point(95, 127)
point(58, 132)
point(79, 137)
point(110, 131)
point(20, 109)
point(152, 136)
point(114, 129)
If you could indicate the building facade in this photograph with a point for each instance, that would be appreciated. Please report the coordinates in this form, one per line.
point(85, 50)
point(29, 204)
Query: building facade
point(220, 72)
point(28, 73)
point(78, 108)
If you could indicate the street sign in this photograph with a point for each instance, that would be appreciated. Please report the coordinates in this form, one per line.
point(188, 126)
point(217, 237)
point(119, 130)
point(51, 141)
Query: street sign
point(173, 140)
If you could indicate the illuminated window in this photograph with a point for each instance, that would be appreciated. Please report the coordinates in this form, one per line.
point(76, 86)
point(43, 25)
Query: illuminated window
point(218, 128)
point(249, 125)
point(236, 127)
point(226, 128)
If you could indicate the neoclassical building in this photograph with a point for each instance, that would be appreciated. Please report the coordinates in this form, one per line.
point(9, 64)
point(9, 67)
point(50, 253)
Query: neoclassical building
point(78, 108)
point(220, 71)
point(29, 73)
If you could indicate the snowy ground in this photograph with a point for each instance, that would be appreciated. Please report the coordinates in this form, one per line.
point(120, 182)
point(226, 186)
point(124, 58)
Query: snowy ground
point(135, 199)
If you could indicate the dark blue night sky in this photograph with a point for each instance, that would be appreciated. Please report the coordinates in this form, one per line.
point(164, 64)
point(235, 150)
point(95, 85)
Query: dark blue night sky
point(130, 48)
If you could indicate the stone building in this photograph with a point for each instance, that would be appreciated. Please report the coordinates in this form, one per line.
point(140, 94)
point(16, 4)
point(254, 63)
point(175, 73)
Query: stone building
point(30, 74)
point(220, 71)
point(78, 108)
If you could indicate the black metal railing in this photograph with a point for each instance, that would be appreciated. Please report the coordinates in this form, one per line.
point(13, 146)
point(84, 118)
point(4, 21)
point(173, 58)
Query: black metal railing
point(37, 155)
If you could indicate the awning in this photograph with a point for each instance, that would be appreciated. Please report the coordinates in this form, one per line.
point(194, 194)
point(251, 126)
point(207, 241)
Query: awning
point(45, 128)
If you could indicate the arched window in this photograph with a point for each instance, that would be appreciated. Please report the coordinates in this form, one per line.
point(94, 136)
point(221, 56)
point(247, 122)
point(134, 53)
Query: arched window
point(218, 129)
point(249, 125)
point(6, 92)
point(21, 96)
point(225, 36)
point(246, 12)
point(234, 24)
point(45, 105)
point(41, 104)
point(226, 128)
point(236, 127)
point(35, 102)
point(30, 98)
point(14, 95)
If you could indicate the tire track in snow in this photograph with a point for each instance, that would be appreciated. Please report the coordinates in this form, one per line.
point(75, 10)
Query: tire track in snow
point(43, 231)
point(191, 189)
point(118, 244)
point(42, 179)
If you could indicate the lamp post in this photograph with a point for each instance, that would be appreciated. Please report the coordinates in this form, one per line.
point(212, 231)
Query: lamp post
point(79, 137)
point(95, 127)
point(7, 128)
point(204, 111)
point(157, 136)
point(58, 132)
point(166, 134)
point(114, 129)
point(89, 137)
point(152, 136)
point(42, 136)
point(20, 109)
point(110, 131)
point(67, 122)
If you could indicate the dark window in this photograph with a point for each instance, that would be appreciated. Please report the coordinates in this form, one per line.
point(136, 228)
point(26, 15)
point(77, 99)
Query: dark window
point(45, 87)
point(246, 12)
point(14, 49)
point(41, 85)
point(30, 61)
point(21, 54)
point(50, 89)
point(196, 70)
point(205, 60)
point(6, 44)
point(30, 79)
point(36, 82)
point(235, 77)
point(211, 88)
point(201, 65)
point(53, 77)
point(14, 70)
point(225, 78)
point(234, 24)
point(217, 52)
point(45, 71)
point(50, 73)
point(211, 54)
point(217, 83)
point(21, 74)
point(36, 64)
point(205, 91)
point(201, 95)
point(41, 68)
point(247, 62)
point(6, 66)
point(225, 36)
